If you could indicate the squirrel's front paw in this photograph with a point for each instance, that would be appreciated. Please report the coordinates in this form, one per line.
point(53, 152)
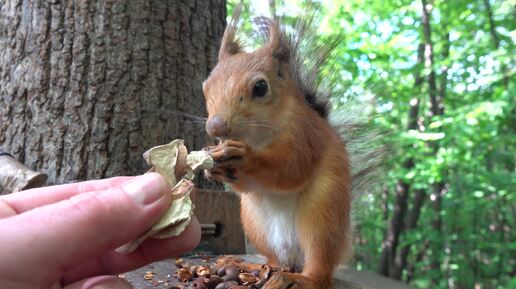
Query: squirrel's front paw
point(231, 157)
point(281, 280)
point(227, 175)
point(231, 154)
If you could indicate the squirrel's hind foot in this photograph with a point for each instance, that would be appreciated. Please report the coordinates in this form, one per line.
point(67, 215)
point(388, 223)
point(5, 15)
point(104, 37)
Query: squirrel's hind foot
point(282, 280)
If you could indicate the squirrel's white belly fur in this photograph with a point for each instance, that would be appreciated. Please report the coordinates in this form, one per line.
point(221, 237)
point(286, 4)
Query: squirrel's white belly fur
point(275, 213)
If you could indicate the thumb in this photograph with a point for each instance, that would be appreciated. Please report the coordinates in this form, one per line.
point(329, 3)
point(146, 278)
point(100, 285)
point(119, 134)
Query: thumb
point(65, 234)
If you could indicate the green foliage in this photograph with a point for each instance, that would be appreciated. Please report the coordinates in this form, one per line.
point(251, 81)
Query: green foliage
point(470, 150)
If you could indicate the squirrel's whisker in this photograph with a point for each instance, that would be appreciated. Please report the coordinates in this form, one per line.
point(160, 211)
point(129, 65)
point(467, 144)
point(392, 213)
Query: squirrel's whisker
point(260, 125)
point(257, 123)
point(184, 114)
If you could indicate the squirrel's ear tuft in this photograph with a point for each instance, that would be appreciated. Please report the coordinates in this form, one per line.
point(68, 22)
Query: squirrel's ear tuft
point(230, 44)
point(277, 42)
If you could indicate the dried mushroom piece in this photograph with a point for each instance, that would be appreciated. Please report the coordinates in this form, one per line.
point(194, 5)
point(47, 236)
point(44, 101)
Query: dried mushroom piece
point(181, 164)
point(178, 215)
point(197, 160)
point(173, 162)
point(164, 159)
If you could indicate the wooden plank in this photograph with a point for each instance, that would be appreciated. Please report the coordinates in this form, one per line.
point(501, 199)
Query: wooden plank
point(162, 274)
point(222, 209)
point(368, 279)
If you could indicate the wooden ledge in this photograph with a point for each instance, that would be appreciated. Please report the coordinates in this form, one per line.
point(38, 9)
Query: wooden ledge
point(160, 275)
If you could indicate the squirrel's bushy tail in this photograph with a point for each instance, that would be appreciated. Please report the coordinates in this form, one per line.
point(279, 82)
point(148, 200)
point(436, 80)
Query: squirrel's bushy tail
point(366, 150)
point(311, 63)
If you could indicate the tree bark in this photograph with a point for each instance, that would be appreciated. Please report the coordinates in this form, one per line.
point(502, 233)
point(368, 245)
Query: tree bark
point(87, 86)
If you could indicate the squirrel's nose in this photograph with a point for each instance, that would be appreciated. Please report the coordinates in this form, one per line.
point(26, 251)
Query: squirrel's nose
point(217, 127)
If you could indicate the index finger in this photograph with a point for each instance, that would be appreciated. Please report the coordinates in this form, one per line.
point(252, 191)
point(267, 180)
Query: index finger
point(20, 202)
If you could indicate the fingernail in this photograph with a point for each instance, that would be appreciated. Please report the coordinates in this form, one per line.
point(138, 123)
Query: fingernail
point(145, 189)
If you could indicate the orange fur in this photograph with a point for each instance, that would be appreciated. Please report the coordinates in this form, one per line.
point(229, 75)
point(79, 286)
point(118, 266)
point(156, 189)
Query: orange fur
point(279, 148)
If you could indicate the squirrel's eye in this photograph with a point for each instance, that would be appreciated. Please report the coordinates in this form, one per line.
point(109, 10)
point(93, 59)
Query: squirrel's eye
point(260, 88)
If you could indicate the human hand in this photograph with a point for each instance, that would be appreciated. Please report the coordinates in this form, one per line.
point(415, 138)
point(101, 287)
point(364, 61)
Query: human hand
point(55, 237)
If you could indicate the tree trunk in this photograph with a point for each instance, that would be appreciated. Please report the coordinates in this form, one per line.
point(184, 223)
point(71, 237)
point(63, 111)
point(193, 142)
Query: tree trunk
point(436, 109)
point(396, 225)
point(400, 260)
point(87, 86)
point(496, 40)
point(387, 266)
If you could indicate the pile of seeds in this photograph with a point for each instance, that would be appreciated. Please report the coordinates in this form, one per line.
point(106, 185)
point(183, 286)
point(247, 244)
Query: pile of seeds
point(235, 275)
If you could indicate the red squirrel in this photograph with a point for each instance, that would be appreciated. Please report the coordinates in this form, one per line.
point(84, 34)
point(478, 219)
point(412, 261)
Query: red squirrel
point(279, 152)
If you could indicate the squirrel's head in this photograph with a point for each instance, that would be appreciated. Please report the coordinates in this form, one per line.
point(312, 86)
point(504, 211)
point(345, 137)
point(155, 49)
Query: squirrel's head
point(248, 94)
